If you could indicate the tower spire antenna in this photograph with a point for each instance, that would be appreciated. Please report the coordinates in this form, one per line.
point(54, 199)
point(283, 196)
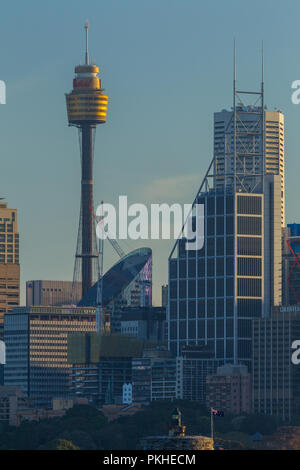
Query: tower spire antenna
point(234, 64)
point(86, 27)
point(262, 66)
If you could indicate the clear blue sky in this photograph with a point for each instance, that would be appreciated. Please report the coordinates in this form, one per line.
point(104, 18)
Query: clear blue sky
point(167, 66)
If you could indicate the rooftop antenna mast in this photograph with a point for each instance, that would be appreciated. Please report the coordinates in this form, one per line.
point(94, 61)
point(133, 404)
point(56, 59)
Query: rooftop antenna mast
point(263, 109)
point(234, 113)
point(86, 27)
point(262, 67)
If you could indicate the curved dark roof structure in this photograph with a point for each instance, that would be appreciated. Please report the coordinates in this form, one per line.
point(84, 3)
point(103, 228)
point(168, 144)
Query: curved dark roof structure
point(118, 277)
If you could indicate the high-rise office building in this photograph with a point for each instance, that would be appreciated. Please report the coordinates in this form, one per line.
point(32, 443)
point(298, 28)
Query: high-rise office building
point(154, 376)
point(36, 340)
point(215, 291)
point(9, 262)
point(275, 378)
point(193, 365)
point(53, 293)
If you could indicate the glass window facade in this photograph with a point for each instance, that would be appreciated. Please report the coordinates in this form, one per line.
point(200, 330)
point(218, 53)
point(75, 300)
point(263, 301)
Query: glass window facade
point(214, 296)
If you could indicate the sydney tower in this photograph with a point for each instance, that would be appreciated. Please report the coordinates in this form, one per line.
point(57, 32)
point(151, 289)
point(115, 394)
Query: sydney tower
point(86, 107)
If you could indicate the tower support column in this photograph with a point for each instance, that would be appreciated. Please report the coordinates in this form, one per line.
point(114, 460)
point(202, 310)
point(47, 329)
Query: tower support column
point(87, 205)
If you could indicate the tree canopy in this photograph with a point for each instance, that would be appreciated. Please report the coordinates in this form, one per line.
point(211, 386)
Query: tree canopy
point(86, 427)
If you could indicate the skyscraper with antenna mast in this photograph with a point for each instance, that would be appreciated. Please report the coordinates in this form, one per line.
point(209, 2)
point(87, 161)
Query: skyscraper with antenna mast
point(86, 108)
point(216, 291)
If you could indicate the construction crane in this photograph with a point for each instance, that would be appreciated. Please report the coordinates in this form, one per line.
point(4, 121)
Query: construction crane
point(142, 283)
point(100, 327)
point(99, 300)
point(99, 308)
point(116, 247)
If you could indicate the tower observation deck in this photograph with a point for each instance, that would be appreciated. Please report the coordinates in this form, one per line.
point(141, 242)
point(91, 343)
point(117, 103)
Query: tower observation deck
point(86, 108)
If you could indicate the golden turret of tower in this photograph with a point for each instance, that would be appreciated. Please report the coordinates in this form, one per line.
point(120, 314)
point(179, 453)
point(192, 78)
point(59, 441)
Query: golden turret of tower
point(86, 103)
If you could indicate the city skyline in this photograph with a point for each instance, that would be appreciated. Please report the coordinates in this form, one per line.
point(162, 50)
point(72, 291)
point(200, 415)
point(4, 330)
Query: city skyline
point(44, 159)
point(150, 270)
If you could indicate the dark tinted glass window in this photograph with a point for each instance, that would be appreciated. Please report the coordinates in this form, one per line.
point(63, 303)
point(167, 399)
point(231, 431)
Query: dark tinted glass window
point(192, 308)
point(248, 287)
point(173, 289)
point(249, 205)
point(211, 267)
point(249, 246)
point(210, 246)
point(220, 205)
point(220, 287)
point(229, 286)
point(201, 287)
point(192, 288)
point(210, 328)
point(229, 328)
point(229, 245)
point(220, 246)
point(201, 267)
point(229, 205)
point(173, 268)
point(229, 308)
point(201, 328)
point(182, 268)
point(210, 308)
point(182, 289)
point(220, 328)
point(220, 307)
point(220, 267)
point(210, 287)
point(220, 226)
point(173, 309)
point(201, 308)
point(192, 268)
point(249, 267)
point(229, 266)
point(210, 226)
point(249, 307)
point(229, 225)
point(210, 205)
point(249, 225)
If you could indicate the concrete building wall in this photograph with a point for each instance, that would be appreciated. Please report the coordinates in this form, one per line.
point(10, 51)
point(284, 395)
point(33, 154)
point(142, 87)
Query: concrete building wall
point(229, 389)
point(191, 377)
point(9, 262)
point(272, 244)
point(11, 400)
point(55, 293)
point(275, 153)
